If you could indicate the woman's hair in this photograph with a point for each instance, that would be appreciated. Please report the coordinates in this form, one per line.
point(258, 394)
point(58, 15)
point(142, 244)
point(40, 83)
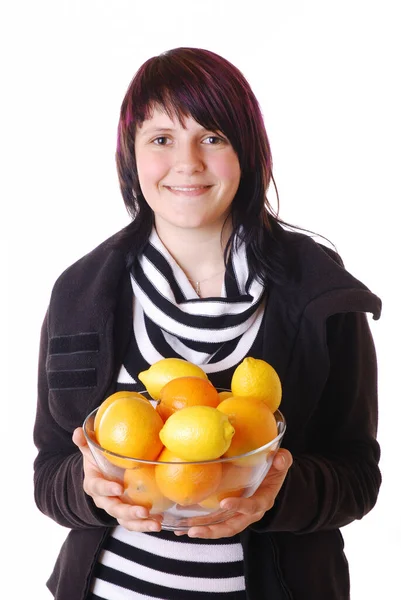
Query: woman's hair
point(201, 84)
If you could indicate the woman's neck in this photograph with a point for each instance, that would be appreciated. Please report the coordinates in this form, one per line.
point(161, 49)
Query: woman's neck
point(200, 253)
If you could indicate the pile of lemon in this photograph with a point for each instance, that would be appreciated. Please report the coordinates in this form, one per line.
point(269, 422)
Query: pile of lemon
point(189, 421)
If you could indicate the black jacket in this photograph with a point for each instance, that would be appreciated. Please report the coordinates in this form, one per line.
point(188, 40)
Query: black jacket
point(317, 337)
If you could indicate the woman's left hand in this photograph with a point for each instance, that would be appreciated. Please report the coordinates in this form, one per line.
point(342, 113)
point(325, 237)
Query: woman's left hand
point(248, 510)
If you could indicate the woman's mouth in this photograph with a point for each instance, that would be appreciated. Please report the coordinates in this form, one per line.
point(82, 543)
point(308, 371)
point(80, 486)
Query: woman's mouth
point(188, 190)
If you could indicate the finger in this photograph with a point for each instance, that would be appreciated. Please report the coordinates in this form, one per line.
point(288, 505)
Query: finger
point(133, 518)
point(232, 526)
point(283, 460)
point(255, 505)
point(121, 510)
point(143, 526)
point(78, 437)
point(96, 485)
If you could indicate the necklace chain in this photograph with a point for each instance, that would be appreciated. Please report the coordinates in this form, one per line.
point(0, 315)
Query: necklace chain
point(199, 281)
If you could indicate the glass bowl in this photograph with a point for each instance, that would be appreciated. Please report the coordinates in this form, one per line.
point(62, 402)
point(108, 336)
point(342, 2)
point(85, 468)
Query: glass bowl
point(210, 481)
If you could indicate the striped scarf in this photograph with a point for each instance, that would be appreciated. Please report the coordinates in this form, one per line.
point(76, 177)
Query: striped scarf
point(170, 320)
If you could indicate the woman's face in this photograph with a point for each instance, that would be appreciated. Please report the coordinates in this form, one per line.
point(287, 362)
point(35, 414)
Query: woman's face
point(188, 175)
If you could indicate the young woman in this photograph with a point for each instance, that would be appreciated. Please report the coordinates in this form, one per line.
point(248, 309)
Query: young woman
point(207, 272)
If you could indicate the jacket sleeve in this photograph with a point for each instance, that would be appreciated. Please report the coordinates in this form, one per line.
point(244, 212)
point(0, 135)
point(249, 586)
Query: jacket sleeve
point(337, 479)
point(58, 470)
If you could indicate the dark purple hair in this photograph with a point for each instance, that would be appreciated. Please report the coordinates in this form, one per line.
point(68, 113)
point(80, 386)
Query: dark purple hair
point(201, 84)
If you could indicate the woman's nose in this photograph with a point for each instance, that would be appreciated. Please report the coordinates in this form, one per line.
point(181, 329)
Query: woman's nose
point(188, 159)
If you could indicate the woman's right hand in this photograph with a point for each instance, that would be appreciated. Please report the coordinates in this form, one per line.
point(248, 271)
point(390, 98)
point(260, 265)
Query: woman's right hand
point(105, 493)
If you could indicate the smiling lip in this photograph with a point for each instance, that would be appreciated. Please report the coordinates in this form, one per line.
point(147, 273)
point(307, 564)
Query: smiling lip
point(188, 190)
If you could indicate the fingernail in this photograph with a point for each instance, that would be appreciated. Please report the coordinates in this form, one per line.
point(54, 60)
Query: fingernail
point(195, 534)
point(141, 513)
point(116, 490)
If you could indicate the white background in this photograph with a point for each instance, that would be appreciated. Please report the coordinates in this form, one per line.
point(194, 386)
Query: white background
point(327, 77)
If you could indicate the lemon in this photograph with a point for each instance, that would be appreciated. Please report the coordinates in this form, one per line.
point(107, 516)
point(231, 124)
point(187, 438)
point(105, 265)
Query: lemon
point(257, 378)
point(197, 433)
point(166, 369)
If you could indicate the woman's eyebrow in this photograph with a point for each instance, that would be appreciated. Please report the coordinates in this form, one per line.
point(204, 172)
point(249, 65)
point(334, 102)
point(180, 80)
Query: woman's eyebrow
point(147, 130)
point(157, 129)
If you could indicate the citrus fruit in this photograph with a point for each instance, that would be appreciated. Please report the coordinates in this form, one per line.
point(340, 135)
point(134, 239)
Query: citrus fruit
point(130, 426)
point(197, 433)
point(141, 489)
point(257, 378)
point(186, 483)
point(224, 394)
point(254, 424)
point(186, 391)
point(166, 369)
point(233, 482)
point(109, 400)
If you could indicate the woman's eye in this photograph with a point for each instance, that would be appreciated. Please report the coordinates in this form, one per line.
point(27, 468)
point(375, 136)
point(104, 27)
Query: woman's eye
point(160, 141)
point(213, 140)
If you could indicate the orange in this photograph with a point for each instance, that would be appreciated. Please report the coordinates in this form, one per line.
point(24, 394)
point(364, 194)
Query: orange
point(182, 392)
point(130, 426)
point(254, 424)
point(225, 394)
point(108, 401)
point(186, 483)
point(141, 488)
point(233, 482)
